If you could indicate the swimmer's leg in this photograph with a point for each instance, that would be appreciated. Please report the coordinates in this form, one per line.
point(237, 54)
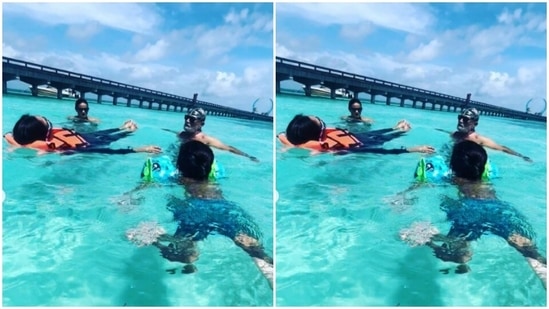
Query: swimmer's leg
point(180, 249)
point(377, 139)
point(453, 249)
point(105, 137)
point(529, 250)
point(255, 249)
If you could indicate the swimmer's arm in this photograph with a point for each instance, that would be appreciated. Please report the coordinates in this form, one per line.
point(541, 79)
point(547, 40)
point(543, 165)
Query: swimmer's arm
point(423, 149)
point(367, 120)
point(93, 120)
point(149, 149)
point(219, 145)
point(484, 141)
point(445, 131)
point(172, 131)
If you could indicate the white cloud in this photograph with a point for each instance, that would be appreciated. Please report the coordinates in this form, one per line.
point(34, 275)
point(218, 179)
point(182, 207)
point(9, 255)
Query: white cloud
point(132, 17)
point(508, 18)
point(236, 17)
point(405, 17)
point(357, 31)
point(282, 51)
point(496, 84)
point(83, 31)
point(152, 52)
point(425, 52)
point(224, 83)
point(8, 51)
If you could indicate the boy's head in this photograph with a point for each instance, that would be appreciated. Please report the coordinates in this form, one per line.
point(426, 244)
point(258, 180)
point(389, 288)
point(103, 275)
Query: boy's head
point(304, 128)
point(195, 160)
point(29, 129)
point(468, 160)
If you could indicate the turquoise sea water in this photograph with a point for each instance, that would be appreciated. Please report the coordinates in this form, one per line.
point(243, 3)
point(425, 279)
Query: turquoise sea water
point(338, 232)
point(64, 217)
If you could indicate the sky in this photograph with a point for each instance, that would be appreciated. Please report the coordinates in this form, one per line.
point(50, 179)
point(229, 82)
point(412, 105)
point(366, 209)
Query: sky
point(495, 51)
point(222, 51)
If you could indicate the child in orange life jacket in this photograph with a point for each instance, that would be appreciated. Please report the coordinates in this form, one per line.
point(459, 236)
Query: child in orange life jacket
point(311, 132)
point(37, 132)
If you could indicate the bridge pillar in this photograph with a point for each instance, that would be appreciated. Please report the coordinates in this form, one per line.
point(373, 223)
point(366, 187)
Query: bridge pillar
point(59, 93)
point(388, 100)
point(150, 105)
point(4, 86)
point(332, 93)
point(128, 102)
point(140, 103)
point(34, 90)
point(99, 98)
point(422, 105)
point(372, 98)
point(414, 102)
point(278, 87)
point(402, 102)
point(307, 90)
point(114, 100)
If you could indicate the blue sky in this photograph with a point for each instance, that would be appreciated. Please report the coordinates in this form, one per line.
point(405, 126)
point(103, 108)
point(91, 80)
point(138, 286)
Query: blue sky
point(222, 51)
point(495, 51)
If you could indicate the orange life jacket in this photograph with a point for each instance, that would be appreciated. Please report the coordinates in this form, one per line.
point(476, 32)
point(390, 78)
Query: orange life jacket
point(336, 139)
point(60, 139)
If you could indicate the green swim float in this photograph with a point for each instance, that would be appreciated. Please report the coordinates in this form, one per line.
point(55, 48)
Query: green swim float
point(161, 169)
point(435, 169)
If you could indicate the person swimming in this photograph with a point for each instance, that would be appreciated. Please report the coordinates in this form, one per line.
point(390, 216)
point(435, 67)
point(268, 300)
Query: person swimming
point(37, 132)
point(205, 211)
point(466, 130)
point(478, 211)
point(82, 108)
point(355, 110)
point(311, 132)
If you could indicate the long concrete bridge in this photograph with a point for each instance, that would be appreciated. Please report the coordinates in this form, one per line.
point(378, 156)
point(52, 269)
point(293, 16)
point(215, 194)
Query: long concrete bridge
point(406, 96)
point(37, 75)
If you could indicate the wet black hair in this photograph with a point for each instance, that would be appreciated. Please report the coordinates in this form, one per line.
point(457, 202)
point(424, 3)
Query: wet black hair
point(353, 101)
point(29, 129)
point(302, 129)
point(79, 101)
point(195, 160)
point(468, 160)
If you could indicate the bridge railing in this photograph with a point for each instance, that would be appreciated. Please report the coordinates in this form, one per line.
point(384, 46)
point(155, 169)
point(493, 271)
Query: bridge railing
point(110, 82)
point(322, 69)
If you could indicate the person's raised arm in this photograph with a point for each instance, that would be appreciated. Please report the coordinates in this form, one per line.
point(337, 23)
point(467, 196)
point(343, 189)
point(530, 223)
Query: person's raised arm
point(484, 141)
point(213, 142)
